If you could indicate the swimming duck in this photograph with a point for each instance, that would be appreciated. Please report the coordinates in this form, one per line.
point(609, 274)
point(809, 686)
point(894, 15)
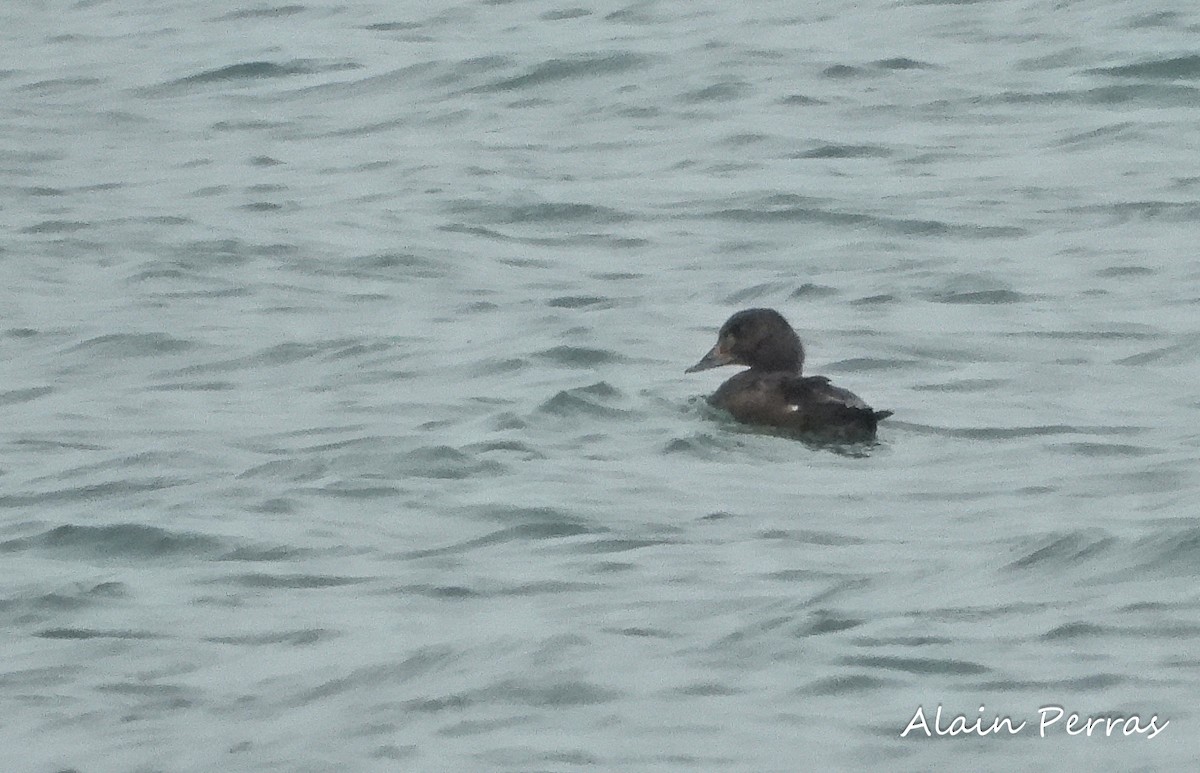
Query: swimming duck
point(772, 392)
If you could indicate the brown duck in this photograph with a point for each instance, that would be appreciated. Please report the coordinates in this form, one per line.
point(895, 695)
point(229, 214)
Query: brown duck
point(772, 392)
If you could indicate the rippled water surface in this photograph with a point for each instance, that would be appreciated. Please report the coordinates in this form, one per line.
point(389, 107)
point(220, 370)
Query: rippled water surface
point(344, 417)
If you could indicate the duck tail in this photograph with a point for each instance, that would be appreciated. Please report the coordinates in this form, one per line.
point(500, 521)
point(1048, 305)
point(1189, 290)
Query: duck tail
point(882, 415)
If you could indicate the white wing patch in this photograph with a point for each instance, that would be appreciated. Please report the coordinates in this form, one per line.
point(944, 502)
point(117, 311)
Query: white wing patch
point(793, 408)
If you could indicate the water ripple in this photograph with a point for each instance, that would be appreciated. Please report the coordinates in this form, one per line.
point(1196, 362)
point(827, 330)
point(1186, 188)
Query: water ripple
point(1174, 68)
point(263, 69)
point(529, 531)
point(123, 541)
point(580, 66)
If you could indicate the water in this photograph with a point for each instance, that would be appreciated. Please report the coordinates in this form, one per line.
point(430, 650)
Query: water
point(345, 422)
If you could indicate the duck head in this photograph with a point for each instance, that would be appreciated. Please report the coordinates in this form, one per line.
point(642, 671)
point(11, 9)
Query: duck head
point(758, 338)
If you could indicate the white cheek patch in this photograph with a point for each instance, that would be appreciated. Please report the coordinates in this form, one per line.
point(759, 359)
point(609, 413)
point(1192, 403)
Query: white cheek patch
point(793, 408)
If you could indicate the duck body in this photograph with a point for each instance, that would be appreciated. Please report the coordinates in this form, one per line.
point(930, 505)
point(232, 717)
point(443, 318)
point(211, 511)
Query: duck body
point(773, 392)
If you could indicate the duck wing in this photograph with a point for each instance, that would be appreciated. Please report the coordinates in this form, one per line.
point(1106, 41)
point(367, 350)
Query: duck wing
point(829, 409)
point(818, 389)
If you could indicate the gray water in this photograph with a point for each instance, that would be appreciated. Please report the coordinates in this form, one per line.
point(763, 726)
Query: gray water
point(344, 418)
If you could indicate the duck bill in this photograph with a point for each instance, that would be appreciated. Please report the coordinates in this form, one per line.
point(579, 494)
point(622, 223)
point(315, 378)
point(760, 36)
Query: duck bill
point(714, 359)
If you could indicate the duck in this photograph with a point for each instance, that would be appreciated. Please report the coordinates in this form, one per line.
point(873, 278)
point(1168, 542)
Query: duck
point(773, 393)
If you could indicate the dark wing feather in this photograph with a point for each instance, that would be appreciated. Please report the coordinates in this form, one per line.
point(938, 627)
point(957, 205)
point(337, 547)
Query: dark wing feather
point(831, 409)
point(808, 405)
